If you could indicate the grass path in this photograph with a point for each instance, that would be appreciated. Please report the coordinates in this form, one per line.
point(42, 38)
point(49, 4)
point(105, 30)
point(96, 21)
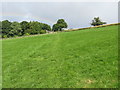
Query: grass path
point(79, 59)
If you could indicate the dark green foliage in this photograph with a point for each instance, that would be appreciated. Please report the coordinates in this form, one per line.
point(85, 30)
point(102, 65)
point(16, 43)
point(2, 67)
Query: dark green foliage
point(24, 26)
point(4, 36)
point(55, 27)
point(97, 22)
point(14, 29)
point(26, 34)
point(59, 25)
point(35, 27)
point(42, 31)
point(28, 31)
point(46, 27)
point(0, 29)
point(0, 25)
point(6, 27)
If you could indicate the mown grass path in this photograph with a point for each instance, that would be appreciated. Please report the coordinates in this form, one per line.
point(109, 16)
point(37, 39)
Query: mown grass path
point(79, 59)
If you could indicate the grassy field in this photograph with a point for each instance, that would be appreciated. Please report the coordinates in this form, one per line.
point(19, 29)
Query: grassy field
point(76, 59)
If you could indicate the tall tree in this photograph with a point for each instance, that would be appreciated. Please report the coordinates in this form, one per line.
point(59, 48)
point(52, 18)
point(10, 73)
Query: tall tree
point(35, 27)
point(96, 21)
point(59, 25)
point(1, 27)
point(6, 27)
point(24, 26)
point(55, 27)
point(46, 27)
point(15, 29)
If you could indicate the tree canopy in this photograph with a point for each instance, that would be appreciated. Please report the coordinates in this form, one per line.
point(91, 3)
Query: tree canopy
point(59, 25)
point(96, 21)
point(11, 29)
point(24, 26)
point(15, 29)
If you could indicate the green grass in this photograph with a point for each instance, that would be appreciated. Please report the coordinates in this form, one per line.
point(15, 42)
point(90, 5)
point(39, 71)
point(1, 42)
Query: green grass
point(76, 59)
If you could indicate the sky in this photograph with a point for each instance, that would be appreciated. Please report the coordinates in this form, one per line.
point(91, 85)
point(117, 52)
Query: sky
point(76, 14)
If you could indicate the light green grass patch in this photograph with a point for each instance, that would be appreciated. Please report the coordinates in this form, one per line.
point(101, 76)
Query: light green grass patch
point(78, 59)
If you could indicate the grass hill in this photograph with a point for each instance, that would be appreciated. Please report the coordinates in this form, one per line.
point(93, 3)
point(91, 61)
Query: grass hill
point(79, 59)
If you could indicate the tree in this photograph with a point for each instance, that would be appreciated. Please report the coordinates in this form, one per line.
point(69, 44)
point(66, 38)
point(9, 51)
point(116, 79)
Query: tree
point(59, 25)
point(46, 27)
point(35, 27)
point(0, 27)
point(55, 27)
point(24, 26)
point(96, 21)
point(11, 29)
point(15, 29)
point(5, 27)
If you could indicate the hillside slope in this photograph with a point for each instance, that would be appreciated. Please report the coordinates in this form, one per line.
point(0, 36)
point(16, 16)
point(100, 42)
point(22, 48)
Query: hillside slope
point(79, 59)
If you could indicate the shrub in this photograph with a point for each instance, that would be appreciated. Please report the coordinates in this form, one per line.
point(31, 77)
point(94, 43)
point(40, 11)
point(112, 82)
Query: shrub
point(42, 31)
point(4, 36)
point(96, 22)
point(15, 36)
point(26, 34)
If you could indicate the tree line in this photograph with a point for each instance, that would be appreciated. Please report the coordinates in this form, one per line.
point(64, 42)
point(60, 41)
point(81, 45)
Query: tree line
point(13, 29)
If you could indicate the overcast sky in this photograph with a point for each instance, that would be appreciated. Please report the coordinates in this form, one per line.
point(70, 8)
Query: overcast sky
point(76, 14)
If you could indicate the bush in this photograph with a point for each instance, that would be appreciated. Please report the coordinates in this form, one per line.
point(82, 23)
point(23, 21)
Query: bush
point(26, 34)
point(27, 31)
point(15, 36)
point(96, 22)
point(4, 36)
point(42, 31)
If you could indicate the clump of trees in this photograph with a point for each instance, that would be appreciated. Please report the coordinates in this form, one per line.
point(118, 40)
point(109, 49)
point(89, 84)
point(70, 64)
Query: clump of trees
point(96, 21)
point(12, 29)
point(59, 25)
